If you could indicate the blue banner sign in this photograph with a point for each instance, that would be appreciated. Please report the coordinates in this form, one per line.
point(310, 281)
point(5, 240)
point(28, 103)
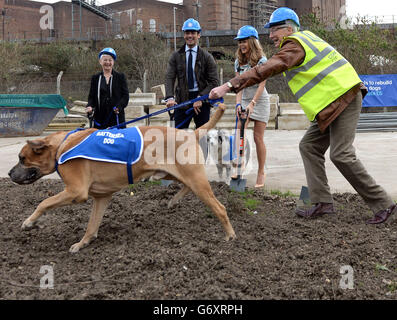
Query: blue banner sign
point(382, 90)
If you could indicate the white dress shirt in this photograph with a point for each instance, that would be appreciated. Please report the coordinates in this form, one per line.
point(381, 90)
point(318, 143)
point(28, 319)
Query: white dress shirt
point(194, 56)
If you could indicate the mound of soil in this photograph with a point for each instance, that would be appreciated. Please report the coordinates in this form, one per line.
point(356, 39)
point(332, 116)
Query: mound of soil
point(146, 251)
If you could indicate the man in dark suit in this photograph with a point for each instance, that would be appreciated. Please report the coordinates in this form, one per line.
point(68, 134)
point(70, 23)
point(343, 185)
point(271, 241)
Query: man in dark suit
point(108, 93)
point(196, 72)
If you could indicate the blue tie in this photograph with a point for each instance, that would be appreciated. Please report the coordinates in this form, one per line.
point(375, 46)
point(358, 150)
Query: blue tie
point(190, 79)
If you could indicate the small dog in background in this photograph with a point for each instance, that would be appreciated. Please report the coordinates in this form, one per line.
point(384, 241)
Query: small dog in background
point(219, 153)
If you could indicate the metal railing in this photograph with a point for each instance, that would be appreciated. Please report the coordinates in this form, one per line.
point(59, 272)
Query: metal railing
point(385, 121)
point(384, 19)
point(103, 11)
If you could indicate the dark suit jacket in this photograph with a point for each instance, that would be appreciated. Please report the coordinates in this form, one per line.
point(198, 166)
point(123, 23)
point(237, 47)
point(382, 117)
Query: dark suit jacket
point(205, 70)
point(120, 97)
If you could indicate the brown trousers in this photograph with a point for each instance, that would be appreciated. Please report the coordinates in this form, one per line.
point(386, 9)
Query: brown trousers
point(339, 137)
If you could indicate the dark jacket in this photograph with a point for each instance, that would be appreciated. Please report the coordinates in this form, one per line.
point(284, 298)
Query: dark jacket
point(103, 114)
point(205, 70)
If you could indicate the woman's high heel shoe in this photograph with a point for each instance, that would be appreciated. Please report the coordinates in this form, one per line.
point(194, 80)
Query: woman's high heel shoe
point(260, 185)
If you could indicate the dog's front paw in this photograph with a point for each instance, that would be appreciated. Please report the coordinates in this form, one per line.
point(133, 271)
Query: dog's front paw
point(28, 225)
point(231, 236)
point(76, 247)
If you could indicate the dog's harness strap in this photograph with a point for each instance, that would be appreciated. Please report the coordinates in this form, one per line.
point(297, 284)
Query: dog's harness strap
point(129, 160)
point(67, 135)
point(129, 174)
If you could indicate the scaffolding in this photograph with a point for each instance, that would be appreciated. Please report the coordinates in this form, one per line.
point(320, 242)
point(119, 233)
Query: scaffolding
point(100, 10)
point(260, 11)
point(253, 12)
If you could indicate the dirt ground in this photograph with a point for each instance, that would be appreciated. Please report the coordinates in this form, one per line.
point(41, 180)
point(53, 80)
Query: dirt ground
point(145, 251)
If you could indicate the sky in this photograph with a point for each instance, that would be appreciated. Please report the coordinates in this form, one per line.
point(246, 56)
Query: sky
point(371, 8)
point(353, 7)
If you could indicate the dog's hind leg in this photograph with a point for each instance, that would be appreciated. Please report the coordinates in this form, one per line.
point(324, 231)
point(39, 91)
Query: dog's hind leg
point(184, 191)
point(198, 183)
point(217, 208)
point(98, 210)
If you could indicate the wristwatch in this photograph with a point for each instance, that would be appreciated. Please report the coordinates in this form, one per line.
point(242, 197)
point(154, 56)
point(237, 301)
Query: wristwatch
point(229, 84)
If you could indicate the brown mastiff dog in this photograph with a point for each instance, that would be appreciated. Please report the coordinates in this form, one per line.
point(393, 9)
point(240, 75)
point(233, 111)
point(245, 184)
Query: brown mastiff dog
point(99, 180)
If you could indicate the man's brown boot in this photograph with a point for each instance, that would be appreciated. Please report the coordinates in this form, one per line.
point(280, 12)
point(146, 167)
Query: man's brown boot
point(316, 211)
point(383, 215)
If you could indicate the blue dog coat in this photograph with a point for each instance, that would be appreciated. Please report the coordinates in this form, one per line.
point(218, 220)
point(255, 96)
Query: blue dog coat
point(110, 145)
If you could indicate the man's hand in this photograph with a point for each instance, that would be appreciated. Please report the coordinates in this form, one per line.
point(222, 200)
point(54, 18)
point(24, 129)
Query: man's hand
point(170, 103)
point(250, 108)
point(88, 109)
point(197, 105)
point(219, 92)
point(238, 110)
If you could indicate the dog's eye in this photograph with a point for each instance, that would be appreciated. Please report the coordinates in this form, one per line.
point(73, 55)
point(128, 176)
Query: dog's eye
point(21, 159)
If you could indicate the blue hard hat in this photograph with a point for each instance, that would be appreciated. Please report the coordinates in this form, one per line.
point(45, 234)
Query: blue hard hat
point(191, 25)
point(109, 51)
point(247, 32)
point(280, 15)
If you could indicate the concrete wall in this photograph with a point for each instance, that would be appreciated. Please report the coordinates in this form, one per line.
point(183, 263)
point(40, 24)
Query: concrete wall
point(239, 14)
point(326, 10)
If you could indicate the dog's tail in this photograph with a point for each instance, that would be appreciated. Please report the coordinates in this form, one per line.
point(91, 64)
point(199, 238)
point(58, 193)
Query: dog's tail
point(213, 120)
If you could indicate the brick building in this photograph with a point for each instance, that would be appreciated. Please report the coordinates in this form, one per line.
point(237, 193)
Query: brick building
point(23, 19)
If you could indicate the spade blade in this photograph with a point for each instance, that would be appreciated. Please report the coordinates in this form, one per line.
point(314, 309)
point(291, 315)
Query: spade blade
point(238, 184)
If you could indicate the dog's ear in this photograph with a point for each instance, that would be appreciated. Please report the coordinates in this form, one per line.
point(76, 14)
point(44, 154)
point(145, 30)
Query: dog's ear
point(38, 146)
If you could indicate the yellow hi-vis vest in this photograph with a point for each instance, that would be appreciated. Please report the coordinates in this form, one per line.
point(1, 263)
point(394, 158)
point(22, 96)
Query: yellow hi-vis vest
point(323, 76)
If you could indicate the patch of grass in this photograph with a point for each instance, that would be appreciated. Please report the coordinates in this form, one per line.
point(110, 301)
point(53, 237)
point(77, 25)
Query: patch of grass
point(235, 202)
point(381, 267)
point(244, 200)
point(283, 194)
point(392, 286)
point(243, 193)
point(251, 204)
point(149, 184)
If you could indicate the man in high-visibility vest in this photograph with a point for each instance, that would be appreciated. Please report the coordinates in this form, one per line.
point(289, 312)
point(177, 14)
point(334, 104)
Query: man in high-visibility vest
point(330, 93)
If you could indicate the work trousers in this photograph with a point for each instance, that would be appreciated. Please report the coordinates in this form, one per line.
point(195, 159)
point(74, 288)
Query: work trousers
point(339, 137)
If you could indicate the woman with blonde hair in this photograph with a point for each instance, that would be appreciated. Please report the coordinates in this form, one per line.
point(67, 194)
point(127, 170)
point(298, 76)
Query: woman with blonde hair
point(253, 99)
